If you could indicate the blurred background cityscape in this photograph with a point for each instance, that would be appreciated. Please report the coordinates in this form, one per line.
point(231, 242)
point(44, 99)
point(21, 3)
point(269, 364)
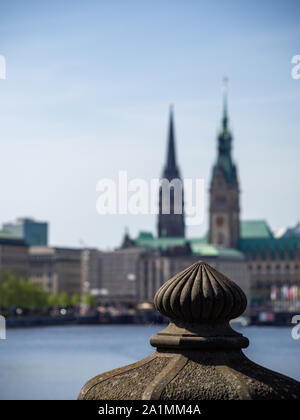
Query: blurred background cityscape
point(119, 285)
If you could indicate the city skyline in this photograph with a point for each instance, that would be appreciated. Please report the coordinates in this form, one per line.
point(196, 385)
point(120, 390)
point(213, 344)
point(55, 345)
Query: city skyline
point(84, 99)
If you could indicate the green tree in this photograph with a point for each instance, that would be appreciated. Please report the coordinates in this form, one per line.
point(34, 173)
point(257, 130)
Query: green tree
point(89, 300)
point(37, 297)
point(64, 299)
point(11, 291)
point(18, 292)
point(75, 299)
point(52, 300)
point(5, 275)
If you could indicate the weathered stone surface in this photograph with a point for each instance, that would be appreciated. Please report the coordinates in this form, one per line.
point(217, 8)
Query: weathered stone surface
point(219, 375)
point(198, 355)
point(124, 383)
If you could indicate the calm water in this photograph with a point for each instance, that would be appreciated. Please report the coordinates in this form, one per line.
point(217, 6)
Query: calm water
point(54, 362)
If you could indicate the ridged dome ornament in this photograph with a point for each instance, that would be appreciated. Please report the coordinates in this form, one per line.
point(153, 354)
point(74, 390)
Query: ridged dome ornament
point(198, 356)
point(200, 302)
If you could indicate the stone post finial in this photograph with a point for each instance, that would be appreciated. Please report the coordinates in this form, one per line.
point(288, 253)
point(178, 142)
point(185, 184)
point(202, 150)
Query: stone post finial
point(198, 355)
point(200, 294)
point(200, 302)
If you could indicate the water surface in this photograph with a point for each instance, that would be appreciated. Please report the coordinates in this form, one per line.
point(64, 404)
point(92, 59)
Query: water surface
point(54, 362)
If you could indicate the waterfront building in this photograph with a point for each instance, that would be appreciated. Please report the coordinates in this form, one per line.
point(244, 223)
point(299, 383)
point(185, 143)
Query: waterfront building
point(30, 230)
point(14, 255)
point(56, 269)
point(111, 276)
point(90, 271)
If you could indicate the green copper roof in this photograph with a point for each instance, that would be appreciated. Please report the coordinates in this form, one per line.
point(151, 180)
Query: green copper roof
point(224, 161)
point(249, 229)
point(199, 246)
point(256, 237)
point(264, 247)
point(148, 240)
point(255, 229)
point(206, 250)
point(145, 236)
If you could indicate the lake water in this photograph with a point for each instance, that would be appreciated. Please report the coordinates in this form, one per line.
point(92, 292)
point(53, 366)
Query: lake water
point(54, 362)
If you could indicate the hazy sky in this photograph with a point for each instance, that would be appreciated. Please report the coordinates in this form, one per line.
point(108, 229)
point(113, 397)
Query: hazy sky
point(87, 93)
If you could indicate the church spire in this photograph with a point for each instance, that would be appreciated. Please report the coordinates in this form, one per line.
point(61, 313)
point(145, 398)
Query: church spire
point(225, 94)
point(171, 170)
point(170, 220)
point(224, 137)
point(171, 159)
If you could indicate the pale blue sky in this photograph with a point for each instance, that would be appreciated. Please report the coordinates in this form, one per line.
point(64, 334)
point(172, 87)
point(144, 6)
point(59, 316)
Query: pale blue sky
point(87, 93)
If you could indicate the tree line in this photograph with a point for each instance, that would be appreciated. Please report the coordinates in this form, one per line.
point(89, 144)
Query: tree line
point(19, 293)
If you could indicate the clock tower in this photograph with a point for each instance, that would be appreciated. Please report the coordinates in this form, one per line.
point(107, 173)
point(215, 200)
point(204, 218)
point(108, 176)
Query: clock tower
point(224, 211)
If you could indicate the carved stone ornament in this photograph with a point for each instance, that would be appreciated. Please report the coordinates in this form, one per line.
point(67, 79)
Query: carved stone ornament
point(198, 356)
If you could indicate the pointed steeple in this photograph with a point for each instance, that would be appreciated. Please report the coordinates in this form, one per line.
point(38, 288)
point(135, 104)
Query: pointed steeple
point(225, 93)
point(224, 137)
point(171, 159)
point(225, 131)
point(171, 170)
point(171, 222)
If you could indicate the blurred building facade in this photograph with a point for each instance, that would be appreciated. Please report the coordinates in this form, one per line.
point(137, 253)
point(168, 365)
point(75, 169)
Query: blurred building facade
point(56, 269)
point(28, 229)
point(111, 276)
point(14, 255)
point(155, 268)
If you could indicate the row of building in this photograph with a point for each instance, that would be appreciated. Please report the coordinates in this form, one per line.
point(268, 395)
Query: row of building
point(126, 275)
point(131, 274)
